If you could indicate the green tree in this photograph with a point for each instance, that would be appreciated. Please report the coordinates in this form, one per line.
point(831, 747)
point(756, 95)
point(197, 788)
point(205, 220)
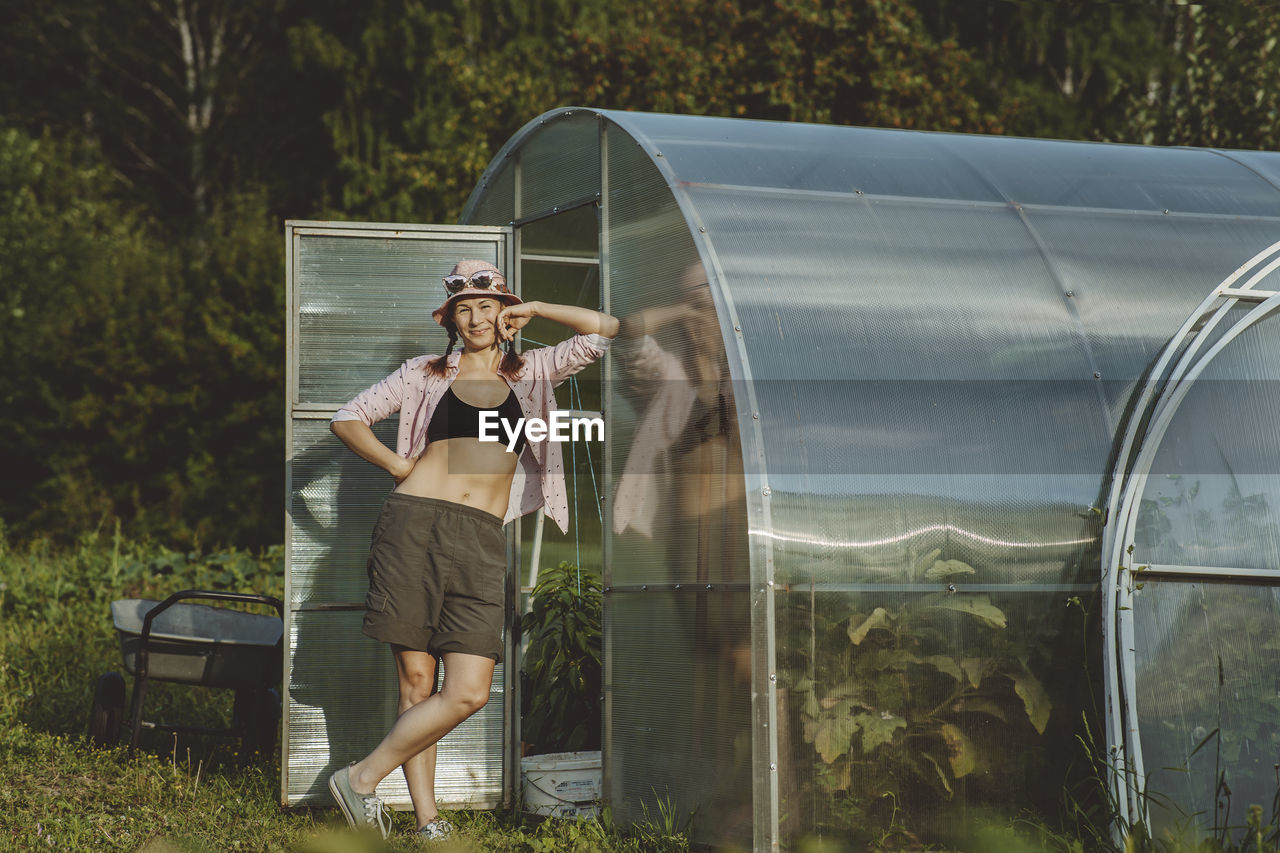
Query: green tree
point(224, 458)
point(188, 100)
point(868, 62)
point(425, 93)
point(1222, 90)
point(72, 254)
point(1157, 72)
point(1064, 69)
point(142, 377)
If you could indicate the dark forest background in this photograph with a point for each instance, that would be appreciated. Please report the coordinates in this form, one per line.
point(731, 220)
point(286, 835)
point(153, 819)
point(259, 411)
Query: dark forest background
point(151, 149)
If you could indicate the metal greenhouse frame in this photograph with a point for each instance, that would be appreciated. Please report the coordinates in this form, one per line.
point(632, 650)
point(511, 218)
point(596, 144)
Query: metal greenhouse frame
point(927, 456)
point(1161, 397)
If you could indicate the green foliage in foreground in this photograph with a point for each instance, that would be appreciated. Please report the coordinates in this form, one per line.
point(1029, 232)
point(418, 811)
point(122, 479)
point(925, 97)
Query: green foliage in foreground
point(56, 634)
point(192, 794)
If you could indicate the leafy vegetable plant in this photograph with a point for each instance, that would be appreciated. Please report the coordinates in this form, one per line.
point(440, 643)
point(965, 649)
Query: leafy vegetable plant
point(904, 702)
point(562, 667)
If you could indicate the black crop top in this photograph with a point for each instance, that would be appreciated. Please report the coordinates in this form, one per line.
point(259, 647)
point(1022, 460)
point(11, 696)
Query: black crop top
point(454, 418)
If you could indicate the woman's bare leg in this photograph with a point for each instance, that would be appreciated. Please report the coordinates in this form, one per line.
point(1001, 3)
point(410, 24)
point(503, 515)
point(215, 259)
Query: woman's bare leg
point(417, 674)
point(467, 681)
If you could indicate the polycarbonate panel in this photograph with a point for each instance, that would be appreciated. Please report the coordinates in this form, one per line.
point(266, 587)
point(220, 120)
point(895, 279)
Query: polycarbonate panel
point(560, 163)
point(1265, 163)
point(330, 724)
point(1117, 177)
point(495, 198)
point(678, 510)
point(1134, 279)
point(838, 302)
point(959, 167)
point(851, 307)
point(677, 518)
point(1207, 660)
point(1212, 497)
point(1210, 326)
point(372, 293)
point(805, 157)
point(335, 499)
point(925, 712)
point(574, 233)
point(680, 725)
point(892, 538)
point(878, 450)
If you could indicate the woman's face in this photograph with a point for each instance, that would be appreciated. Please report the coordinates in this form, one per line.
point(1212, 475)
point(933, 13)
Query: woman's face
point(477, 321)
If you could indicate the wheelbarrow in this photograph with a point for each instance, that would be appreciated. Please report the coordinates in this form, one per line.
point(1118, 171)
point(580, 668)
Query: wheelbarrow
point(201, 645)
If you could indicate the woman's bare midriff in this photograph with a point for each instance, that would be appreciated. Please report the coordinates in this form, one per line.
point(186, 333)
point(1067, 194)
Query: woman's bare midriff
point(465, 471)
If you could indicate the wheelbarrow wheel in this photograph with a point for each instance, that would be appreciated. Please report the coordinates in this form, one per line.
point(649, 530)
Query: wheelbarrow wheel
point(107, 710)
point(256, 716)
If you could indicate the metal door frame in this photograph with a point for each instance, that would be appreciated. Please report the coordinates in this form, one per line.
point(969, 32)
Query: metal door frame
point(1161, 395)
point(295, 230)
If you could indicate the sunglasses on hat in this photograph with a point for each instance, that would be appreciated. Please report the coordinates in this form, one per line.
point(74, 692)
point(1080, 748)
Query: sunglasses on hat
point(481, 280)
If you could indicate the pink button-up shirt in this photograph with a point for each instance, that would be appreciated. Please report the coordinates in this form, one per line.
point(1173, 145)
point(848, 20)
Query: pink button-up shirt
point(413, 392)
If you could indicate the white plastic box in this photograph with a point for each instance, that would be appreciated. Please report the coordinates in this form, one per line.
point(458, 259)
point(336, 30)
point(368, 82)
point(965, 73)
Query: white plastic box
point(561, 784)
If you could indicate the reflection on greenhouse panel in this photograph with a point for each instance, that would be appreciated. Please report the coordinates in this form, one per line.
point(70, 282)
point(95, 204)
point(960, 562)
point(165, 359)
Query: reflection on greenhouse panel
point(684, 401)
point(1198, 610)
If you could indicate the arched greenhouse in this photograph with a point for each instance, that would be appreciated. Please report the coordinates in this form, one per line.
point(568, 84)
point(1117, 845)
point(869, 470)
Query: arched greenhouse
point(940, 483)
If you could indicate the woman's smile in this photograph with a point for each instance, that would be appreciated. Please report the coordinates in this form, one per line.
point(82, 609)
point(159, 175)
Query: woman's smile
point(476, 318)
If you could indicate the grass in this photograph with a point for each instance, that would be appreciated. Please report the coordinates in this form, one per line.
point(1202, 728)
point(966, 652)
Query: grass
point(189, 793)
point(57, 793)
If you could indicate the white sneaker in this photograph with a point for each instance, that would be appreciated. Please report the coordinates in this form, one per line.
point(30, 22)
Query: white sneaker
point(362, 811)
point(436, 830)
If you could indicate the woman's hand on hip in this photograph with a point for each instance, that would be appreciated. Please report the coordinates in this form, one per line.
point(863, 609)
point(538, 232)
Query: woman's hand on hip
point(401, 471)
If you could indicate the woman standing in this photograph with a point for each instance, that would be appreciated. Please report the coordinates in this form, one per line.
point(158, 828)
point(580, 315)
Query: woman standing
point(438, 557)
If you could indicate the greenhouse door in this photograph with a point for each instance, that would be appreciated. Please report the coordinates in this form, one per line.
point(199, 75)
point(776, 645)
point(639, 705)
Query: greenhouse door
point(1192, 576)
point(360, 298)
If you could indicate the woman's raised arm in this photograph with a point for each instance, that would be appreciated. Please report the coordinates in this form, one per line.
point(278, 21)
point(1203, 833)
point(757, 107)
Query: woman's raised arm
point(584, 321)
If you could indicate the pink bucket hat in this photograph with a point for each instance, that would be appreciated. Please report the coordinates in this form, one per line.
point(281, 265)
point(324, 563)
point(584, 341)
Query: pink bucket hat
point(459, 285)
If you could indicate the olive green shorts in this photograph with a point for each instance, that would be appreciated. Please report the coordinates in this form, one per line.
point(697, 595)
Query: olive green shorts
point(436, 577)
